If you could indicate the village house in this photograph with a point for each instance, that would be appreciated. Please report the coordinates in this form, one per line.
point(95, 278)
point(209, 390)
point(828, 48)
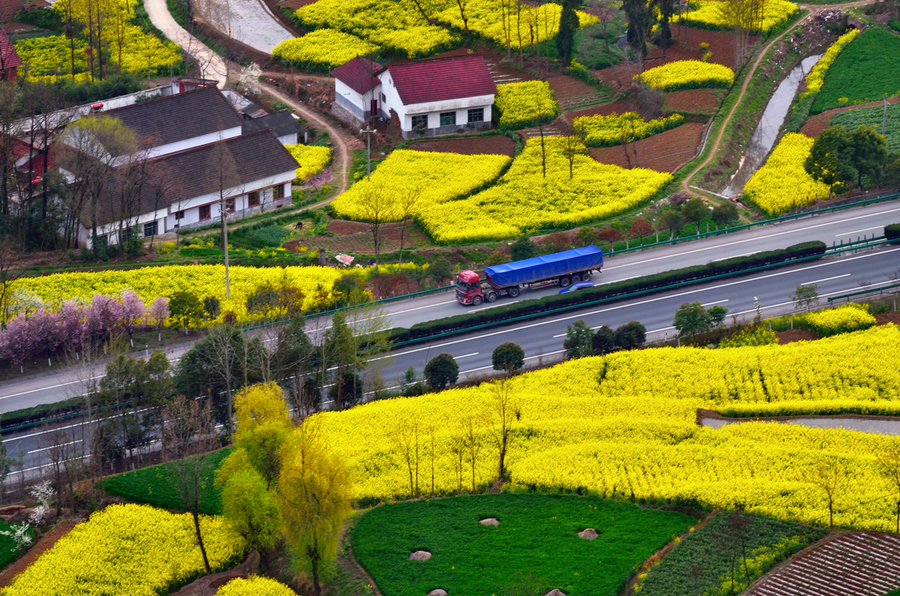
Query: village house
point(9, 59)
point(427, 97)
point(197, 152)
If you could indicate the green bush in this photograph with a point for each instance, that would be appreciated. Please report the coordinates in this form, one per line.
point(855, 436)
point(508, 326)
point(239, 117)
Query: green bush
point(892, 231)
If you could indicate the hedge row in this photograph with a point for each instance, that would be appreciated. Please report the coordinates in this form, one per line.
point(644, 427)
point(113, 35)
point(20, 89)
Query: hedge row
point(606, 291)
point(892, 231)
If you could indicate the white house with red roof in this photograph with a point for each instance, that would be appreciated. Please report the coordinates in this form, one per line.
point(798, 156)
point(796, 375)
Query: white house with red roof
point(426, 97)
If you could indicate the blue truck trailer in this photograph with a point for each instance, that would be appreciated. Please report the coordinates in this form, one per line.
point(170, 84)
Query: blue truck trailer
point(563, 268)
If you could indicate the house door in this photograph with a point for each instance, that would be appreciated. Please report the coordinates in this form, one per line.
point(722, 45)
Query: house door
point(373, 107)
point(204, 212)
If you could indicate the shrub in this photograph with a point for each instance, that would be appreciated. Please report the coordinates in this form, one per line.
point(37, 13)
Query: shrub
point(312, 159)
point(442, 370)
point(844, 319)
point(753, 336)
point(523, 248)
point(687, 74)
point(892, 231)
point(508, 357)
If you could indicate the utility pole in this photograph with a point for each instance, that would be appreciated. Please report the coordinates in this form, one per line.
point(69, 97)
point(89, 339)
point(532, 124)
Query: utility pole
point(368, 132)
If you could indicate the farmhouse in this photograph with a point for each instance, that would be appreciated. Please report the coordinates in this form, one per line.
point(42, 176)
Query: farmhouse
point(194, 155)
point(9, 59)
point(426, 97)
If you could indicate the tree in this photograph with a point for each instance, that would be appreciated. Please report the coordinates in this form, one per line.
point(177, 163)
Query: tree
point(579, 340)
point(827, 161)
point(222, 342)
point(442, 370)
point(666, 9)
point(185, 309)
point(376, 206)
point(631, 335)
point(505, 411)
point(604, 341)
point(695, 210)
point(263, 426)
point(828, 474)
point(726, 214)
point(640, 18)
point(867, 154)
point(805, 296)
point(340, 350)
point(222, 169)
point(691, 319)
point(671, 220)
point(572, 146)
point(889, 467)
point(190, 433)
point(640, 228)
point(252, 509)
point(406, 201)
point(716, 316)
point(316, 498)
point(568, 25)
point(523, 248)
point(508, 357)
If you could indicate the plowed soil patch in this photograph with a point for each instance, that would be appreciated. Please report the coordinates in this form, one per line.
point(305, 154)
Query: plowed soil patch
point(792, 335)
point(695, 101)
point(686, 47)
point(498, 145)
point(354, 237)
point(565, 86)
point(888, 317)
point(617, 107)
point(665, 152)
point(816, 124)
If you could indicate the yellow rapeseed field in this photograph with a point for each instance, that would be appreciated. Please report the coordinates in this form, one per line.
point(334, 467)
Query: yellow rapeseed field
point(625, 425)
point(783, 182)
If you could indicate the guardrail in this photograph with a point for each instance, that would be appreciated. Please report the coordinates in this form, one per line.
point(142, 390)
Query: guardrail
point(863, 292)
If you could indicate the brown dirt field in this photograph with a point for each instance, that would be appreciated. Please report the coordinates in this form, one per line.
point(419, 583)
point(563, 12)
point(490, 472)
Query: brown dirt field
point(62, 528)
point(356, 237)
point(565, 86)
point(665, 152)
point(816, 124)
point(498, 145)
point(695, 101)
point(786, 337)
point(686, 47)
point(888, 317)
point(620, 106)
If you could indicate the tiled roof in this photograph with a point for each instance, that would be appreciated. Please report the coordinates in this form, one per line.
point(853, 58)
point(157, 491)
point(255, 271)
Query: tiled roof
point(280, 123)
point(178, 117)
point(179, 177)
point(9, 58)
point(439, 80)
point(359, 74)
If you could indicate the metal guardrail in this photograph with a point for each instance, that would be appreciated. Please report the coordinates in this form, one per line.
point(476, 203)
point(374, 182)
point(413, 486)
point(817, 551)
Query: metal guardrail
point(863, 292)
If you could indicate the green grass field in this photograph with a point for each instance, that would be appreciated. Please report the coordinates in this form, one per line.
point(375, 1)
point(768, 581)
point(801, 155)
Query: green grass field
point(873, 117)
point(537, 533)
point(152, 486)
point(866, 70)
point(702, 562)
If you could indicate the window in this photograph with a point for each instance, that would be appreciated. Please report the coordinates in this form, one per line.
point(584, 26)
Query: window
point(179, 215)
point(253, 199)
point(278, 192)
point(229, 205)
point(448, 118)
point(476, 115)
point(383, 98)
point(151, 228)
point(205, 212)
point(420, 123)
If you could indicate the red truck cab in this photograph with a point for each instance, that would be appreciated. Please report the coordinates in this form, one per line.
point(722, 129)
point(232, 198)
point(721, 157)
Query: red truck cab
point(468, 287)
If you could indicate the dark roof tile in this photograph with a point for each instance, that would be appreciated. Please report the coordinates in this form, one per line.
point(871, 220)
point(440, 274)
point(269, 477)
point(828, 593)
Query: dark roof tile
point(280, 123)
point(9, 58)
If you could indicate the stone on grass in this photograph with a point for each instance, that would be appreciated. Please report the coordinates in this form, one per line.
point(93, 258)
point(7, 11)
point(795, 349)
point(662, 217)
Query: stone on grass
point(588, 534)
point(420, 555)
point(491, 521)
point(438, 592)
point(555, 592)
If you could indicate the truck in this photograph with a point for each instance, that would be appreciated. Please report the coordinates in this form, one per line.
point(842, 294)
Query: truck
point(562, 268)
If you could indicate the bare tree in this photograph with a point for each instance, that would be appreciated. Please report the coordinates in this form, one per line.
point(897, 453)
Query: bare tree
point(9, 273)
point(406, 201)
point(505, 412)
point(889, 467)
point(830, 476)
point(189, 431)
point(406, 436)
point(472, 444)
point(222, 169)
point(377, 208)
point(57, 446)
point(222, 340)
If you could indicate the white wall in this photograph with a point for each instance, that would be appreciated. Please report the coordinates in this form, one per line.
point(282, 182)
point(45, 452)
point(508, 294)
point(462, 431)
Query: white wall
point(361, 101)
point(431, 109)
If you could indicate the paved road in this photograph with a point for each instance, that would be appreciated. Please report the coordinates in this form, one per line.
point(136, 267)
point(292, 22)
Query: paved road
point(542, 339)
point(212, 66)
point(250, 21)
point(833, 227)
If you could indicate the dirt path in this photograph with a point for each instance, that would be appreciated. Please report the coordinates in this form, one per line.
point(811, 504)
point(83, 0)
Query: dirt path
point(341, 159)
point(685, 184)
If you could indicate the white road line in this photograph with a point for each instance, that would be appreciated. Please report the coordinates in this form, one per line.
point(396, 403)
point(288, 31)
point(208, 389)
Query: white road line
point(52, 447)
point(744, 241)
point(716, 302)
point(466, 356)
point(48, 388)
point(809, 283)
point(858, 231)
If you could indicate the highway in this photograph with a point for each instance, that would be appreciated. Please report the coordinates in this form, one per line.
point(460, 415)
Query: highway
point(542, 339)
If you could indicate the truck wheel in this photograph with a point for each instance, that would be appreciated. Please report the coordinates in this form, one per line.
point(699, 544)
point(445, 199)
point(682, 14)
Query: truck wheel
point(576, 278)
point(492, 297)
point(476, 301)
point(564, 282)
point(513, 292)
point(586, 276)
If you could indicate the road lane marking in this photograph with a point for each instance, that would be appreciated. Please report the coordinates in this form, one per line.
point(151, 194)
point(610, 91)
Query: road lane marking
point(858, 231)
point(48, 388)
point(809, 283)
point(712, 303)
